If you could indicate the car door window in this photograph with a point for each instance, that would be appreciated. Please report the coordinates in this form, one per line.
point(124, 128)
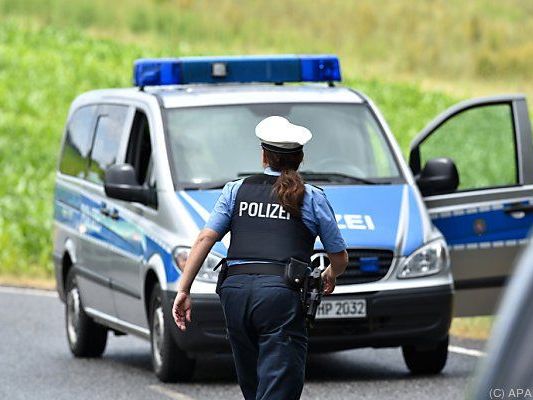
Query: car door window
point(490, 141)
point(139, 150)
point(79, 136)
point(109, 130)
point(481, 142)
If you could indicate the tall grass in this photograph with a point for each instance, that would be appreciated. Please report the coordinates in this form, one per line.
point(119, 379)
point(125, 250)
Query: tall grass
point(42, 69)
point(442, 39)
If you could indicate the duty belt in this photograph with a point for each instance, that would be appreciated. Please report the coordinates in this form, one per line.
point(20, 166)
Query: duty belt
point(257, 269)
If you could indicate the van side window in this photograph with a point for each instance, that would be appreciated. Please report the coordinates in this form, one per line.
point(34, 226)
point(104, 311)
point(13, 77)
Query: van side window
point(109, 130)
point(465, 137)
point(139, 150)
point(79, 137)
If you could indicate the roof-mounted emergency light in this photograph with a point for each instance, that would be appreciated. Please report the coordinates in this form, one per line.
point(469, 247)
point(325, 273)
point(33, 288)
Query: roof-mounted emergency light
point(241, 69)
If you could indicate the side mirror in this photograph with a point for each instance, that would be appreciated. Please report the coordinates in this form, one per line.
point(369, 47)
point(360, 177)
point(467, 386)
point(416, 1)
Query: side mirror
point(439, 176)
point(120, 182)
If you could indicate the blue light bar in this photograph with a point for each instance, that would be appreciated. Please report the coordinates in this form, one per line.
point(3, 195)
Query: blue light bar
point(241, 69)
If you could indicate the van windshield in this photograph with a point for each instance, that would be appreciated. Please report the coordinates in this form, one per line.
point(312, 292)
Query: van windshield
point(212, 145)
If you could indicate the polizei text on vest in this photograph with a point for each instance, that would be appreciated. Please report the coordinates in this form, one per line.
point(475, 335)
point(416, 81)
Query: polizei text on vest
point(263, 210)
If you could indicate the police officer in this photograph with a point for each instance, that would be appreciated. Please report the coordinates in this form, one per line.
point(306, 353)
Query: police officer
point(272, 217)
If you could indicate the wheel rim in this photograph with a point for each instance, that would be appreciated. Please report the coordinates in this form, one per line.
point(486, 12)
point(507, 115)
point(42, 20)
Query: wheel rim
point(158, 331)
point(73, 314)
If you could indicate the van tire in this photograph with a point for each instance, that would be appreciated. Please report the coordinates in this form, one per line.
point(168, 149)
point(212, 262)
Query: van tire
point(427, 360)
point(85, 337)
point(170, 363)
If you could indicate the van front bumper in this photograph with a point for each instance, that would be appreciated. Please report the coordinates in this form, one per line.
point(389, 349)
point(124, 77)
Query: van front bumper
point(394, 318)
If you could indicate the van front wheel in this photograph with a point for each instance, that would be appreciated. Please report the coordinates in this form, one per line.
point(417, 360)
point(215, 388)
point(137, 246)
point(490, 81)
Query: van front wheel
point(428, 360)
point(170, 363)
point(86, 338)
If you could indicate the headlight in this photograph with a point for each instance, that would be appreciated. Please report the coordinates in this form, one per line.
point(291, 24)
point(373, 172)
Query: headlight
point(427, 260)
point(206, 273)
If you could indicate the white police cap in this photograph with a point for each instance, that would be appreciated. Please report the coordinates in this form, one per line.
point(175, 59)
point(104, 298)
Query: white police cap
point(278, 135)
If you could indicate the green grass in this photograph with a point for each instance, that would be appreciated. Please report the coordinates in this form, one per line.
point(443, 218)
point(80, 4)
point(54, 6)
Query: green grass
point(449, 42)
point(52, 50)
point(42, 69)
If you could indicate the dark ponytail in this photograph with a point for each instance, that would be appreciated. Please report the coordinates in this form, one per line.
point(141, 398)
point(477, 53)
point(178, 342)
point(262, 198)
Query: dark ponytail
point(289, 187)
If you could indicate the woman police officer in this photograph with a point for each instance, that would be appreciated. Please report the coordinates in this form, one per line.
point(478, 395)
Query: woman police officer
point(272, 217)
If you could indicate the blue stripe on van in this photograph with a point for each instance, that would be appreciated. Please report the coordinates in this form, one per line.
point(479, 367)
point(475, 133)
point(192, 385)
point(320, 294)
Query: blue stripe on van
point(206, 199)
point(152, 247)
point(492, 226)
point(73, 209)
point(198, 220)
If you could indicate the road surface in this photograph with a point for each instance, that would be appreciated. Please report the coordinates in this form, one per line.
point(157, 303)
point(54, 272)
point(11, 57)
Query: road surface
point(35, 363)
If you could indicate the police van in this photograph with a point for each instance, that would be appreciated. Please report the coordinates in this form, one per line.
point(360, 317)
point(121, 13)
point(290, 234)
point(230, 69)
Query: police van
point(140, 169)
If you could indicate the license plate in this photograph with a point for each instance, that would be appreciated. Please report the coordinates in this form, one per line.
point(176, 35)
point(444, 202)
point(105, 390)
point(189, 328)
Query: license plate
point(352, 308)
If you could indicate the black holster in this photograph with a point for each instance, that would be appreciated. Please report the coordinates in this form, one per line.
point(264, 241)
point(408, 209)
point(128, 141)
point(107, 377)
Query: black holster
point(308, 282)
point(296, 273)
point(222, 275)
point(313, 295)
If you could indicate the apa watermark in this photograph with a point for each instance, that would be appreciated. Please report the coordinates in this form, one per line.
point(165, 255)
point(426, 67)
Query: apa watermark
point(511, 393)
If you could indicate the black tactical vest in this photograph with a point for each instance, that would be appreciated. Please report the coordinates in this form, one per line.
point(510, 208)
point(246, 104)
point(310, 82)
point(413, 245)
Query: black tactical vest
point(261, 229)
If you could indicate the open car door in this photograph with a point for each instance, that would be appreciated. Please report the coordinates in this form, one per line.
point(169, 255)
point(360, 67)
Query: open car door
point(474, 167)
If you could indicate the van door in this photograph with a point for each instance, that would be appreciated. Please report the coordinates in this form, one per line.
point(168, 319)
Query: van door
point(486, 219)
point(97, 212)
point(72, 203)
point(126, 275)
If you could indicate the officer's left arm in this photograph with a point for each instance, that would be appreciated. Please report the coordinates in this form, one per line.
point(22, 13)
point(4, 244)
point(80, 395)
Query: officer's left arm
point(331, 239)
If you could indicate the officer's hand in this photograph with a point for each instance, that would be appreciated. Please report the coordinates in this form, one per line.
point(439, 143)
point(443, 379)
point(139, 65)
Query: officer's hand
point(328, 279)
point(182, 309)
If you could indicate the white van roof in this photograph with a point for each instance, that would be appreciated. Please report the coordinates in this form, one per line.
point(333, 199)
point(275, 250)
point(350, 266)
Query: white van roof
point(225, 94)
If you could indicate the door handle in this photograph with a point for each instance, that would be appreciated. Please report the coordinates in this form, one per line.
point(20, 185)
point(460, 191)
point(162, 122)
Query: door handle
point(104, 210)
point(114, 214)
point(518, 207)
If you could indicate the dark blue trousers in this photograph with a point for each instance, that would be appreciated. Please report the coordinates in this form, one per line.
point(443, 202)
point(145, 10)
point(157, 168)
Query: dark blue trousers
point(266, 328)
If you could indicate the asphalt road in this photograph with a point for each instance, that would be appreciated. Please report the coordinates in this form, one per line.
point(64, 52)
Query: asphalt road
point(35, 363)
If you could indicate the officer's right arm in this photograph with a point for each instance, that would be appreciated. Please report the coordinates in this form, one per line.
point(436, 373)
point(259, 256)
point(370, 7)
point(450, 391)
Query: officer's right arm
point(199, 251)
point(339, 262)
point(181, 309)
point(331, 239)
point(216, 227)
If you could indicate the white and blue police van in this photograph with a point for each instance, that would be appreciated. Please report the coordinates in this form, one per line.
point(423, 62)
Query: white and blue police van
point(140, 169)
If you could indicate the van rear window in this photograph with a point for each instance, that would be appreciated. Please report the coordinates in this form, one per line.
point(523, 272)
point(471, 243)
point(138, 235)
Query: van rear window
point(79, 136)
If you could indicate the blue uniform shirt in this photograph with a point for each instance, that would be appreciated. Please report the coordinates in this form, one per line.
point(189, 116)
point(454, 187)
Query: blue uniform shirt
point(316, 211)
